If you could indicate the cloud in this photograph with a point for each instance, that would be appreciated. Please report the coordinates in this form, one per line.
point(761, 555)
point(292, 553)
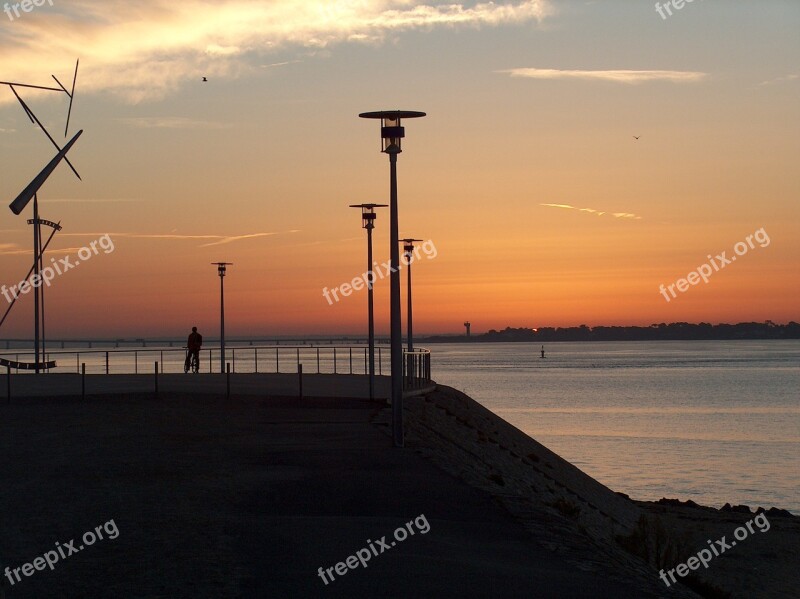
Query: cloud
point(628, 77)
point(278, 64)
point(626, 215)
point(175, 122)
point(89, 200)
point(784, 79)
point(225, 240)
point(150, 48)
point(211, 239)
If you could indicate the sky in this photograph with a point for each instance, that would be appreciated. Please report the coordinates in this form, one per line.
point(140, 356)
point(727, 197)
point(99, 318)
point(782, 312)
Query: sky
point(526, 176)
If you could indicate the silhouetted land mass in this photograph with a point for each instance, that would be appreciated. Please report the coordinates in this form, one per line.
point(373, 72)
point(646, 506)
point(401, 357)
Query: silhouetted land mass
point(676, 331)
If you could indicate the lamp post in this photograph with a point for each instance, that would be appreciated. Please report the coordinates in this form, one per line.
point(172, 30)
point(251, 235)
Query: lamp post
point(408, 247)
point(221, 268)
point(392, 134)
point(368, 222)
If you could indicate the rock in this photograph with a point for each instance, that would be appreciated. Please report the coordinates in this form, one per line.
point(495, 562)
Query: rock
point(775, 512)
point(739, 509)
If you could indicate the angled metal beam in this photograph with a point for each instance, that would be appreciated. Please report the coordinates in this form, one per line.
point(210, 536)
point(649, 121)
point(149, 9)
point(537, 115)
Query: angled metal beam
point(18, 205)
point(35, 119)
point(24, 106)
point(51, 89)
point(71, 96)
point(30, 272)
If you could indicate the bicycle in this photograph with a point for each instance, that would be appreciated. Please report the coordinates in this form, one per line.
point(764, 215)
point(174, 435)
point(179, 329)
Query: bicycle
point(192, 361)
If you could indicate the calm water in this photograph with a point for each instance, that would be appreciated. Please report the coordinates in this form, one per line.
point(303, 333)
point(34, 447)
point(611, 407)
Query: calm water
point(714, 422)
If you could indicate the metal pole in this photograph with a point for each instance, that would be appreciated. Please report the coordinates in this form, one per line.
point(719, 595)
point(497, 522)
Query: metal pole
point(222, 323)
point(371, 310)
point(41, 293)
point(83, 381)
point(228, 380)
point(300, 379)
point(396, 340)
point(156, 371)
point(410, 328)
point(37, 275)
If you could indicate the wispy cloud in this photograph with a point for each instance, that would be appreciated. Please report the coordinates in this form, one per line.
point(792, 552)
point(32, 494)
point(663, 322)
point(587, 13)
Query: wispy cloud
point(278, 64)
point(210, 239)
point(626, 215)
point(627, 77)
point(784, 79)
point(158, 122)
point(150, 48)
point(231, 239)
point(90, 200)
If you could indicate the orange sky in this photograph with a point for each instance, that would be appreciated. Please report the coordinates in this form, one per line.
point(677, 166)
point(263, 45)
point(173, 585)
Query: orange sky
point(271, 146)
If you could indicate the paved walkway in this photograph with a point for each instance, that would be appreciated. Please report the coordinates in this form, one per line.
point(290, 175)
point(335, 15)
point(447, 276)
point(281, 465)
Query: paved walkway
point(248, 497)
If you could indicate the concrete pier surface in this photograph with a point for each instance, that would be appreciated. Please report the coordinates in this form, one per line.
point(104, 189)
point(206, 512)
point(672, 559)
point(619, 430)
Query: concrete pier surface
point(196, 494)
point(249, 497)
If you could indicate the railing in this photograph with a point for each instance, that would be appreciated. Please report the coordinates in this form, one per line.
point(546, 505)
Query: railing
point(325, 359)
point(416, 369)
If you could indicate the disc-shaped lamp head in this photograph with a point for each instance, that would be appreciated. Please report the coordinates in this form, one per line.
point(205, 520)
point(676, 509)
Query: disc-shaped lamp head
point(392, 131)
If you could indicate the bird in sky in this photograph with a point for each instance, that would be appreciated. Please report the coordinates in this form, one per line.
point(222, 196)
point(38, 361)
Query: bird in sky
point(204, 79)
point(636, 136)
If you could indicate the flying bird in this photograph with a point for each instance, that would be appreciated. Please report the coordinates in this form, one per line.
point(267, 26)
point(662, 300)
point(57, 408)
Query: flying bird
point(204, 79)
point(636, 136)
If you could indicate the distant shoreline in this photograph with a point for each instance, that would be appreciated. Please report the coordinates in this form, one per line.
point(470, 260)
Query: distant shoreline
point(679, 331)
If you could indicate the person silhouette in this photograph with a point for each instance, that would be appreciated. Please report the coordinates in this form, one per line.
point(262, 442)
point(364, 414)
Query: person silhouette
point(193, 344)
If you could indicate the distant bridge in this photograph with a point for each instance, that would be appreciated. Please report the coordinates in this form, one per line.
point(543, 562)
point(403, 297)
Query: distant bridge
point(23, 344)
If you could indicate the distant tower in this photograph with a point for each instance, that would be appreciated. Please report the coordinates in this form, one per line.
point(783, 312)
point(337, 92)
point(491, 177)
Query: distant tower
point(467, 324)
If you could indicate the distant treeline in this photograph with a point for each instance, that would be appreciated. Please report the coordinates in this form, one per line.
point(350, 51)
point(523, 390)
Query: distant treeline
point(678, 331)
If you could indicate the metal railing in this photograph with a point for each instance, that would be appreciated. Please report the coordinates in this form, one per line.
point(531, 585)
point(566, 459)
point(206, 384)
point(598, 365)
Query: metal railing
point(416, 369)
point(327, 359)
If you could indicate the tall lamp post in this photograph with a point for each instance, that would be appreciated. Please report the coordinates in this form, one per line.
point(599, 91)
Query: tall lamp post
point(368, 222)
point(221, 267)
point(408, 247)
point(392, 134)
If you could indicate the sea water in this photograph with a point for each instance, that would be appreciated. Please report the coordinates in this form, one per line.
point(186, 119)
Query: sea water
point(711, 421)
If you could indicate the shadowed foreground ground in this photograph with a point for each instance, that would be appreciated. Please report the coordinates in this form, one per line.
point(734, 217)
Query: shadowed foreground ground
point(249, 497)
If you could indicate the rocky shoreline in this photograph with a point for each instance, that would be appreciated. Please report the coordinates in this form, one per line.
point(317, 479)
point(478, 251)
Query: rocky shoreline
point(573, 514)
